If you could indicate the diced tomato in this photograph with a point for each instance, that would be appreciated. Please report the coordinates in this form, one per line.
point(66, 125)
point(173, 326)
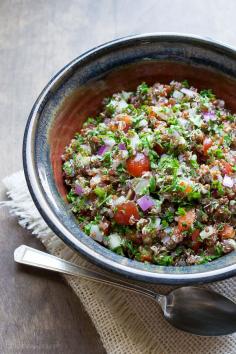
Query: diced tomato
point(188, 188)
point(137, 165)
point(152, 114)
point(187, 220)
point(114, 125)
point(207, 143)
point(195, 243)
point(227, 168)
point(168, 89)
point(125, 211)
point(146, 258)
point(185, 114)
point(159, 149)
point(227, 232)
point(127, 120)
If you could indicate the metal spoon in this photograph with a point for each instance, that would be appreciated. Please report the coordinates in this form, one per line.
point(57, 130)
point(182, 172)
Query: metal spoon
point(192, 309)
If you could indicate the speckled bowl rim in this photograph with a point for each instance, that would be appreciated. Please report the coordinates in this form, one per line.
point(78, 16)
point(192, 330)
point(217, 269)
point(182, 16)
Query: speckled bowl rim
point(50, 216)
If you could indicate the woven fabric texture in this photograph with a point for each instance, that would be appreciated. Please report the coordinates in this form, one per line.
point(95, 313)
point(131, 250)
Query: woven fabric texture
point(127, 323)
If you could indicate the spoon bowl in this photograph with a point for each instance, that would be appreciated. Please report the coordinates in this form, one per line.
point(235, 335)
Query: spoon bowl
point(199, 311)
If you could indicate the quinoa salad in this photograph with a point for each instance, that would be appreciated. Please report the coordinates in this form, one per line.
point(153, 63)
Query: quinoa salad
point(153, 176)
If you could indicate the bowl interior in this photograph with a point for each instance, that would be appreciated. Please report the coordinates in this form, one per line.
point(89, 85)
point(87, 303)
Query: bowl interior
point(77, 92)
point(86, 101)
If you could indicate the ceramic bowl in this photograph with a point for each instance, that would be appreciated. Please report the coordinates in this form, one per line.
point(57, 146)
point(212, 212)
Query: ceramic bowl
point(76, 92)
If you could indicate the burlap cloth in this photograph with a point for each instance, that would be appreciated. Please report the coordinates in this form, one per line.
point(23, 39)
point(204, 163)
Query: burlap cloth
point(127, 323)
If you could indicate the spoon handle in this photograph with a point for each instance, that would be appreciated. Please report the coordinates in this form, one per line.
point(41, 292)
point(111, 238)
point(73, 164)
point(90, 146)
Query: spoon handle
point(33, 257)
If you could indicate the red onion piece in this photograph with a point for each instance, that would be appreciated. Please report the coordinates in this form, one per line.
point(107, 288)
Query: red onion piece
point(122, 146)
point(107, 120)
point(165, 239)
point(228, 181)
point(145, 202)
point(79, 190)
point(109, 142)
point(209, 116)
point(102, 150)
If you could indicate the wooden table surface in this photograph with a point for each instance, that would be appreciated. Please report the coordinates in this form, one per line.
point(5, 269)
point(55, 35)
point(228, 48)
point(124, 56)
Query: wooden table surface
point(39, 313)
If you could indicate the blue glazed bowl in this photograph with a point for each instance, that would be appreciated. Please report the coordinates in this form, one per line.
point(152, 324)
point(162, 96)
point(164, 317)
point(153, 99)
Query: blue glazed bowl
point(76, 92)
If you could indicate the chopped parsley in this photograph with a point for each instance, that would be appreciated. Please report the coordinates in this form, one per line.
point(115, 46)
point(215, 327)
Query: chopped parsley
point(155, 168)
point(143, 89)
